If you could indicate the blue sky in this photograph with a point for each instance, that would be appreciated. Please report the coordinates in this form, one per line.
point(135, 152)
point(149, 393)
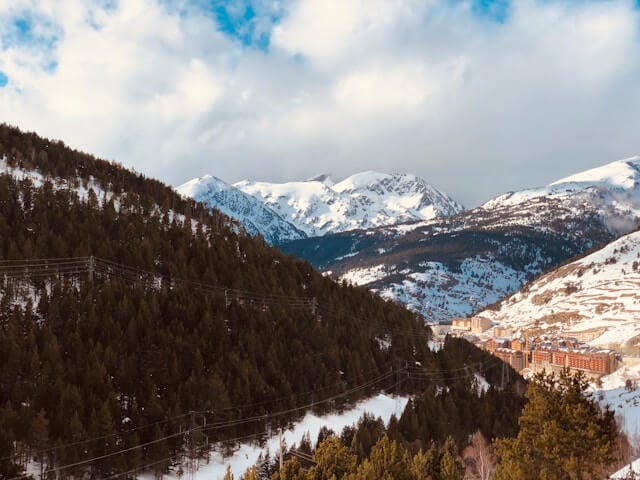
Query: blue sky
point(280, 90)
point(238, 18)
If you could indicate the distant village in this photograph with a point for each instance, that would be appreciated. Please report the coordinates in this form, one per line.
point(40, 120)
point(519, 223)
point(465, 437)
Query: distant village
point(532, 350)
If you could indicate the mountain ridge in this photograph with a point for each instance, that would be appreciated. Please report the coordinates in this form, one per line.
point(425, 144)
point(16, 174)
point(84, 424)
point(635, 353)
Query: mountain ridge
point(453, 266)
point(320, 206)
point(257, 218)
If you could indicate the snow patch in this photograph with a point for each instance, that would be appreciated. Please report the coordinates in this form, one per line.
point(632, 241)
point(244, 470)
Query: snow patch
point(383, 406)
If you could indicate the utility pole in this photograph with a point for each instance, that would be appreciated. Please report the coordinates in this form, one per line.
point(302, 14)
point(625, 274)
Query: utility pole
point(281, 443)
point(92, 267)
point(192, 426)
point(505, 376)
point(205, 438)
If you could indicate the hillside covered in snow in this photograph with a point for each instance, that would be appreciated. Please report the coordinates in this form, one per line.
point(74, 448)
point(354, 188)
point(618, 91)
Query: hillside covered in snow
point(453, 266)
point(596, 298)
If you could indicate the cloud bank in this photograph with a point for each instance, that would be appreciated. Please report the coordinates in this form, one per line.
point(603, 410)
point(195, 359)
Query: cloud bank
point(475, 100)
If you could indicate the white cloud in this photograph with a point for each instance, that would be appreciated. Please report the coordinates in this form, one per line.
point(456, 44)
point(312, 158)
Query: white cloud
point(418, 85)
point(329, 32)
point(382, 88)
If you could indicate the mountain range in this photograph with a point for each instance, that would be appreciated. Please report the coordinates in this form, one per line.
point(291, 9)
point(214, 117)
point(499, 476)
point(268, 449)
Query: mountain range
point(283, 212)
point(409, 242)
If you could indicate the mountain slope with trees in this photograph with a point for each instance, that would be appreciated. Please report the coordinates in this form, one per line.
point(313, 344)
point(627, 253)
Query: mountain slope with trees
point(129, 314)
point(124, 359)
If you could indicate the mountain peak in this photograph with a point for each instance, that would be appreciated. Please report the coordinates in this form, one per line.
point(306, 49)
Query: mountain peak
point(200, 186)
point(621, 173)
point(610, 192)
point(325, 178)
point(257, 218)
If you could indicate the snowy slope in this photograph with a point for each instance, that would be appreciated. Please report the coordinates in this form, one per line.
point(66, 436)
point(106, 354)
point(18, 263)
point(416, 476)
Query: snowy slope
point(256, 218)
point(624, 402)
point(453, 266)
point(624, 472)
point(364, 200)
point(599, 293)
point(246, 454)
point(439, 292)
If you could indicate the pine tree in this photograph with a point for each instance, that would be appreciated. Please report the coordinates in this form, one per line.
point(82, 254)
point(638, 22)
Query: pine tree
point(291, 470)
point(250, 474)
point(450, 466)
point(563, 435)
point(388, 460)
point(332, 459)
point(228, 475)
point(8, 466)
point(426, 465)
point(40, 437)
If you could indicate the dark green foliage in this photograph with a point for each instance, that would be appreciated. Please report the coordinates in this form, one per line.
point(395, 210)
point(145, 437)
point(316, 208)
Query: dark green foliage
point(387, 460)
point(449, 403)
point(563, 434)
point(367, 433)
point(121, 363)
point(450, 467)
point(126, 361)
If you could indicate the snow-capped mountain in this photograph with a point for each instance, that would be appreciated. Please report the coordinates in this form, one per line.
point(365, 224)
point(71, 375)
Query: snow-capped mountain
point(369, 199)
point(610, 192)
point(596, 298)
point(257, 218)
point(453, 266)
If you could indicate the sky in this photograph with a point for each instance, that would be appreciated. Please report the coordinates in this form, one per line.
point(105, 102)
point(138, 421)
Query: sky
point(477, 97)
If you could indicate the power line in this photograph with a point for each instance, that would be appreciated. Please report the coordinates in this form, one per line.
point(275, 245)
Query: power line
point(215, 426)
point(148, 465)
point(89, 440)
point(242, 421)
point(162, 422)
point(77, 265)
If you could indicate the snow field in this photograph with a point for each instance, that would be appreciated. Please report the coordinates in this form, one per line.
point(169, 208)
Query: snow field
point(383, 406)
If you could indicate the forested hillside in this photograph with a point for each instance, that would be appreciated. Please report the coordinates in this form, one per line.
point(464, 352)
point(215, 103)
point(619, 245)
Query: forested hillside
point(138, 329)
point(124, 358)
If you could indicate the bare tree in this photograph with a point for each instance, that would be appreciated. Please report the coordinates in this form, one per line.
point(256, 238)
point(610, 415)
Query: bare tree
point(479, 458)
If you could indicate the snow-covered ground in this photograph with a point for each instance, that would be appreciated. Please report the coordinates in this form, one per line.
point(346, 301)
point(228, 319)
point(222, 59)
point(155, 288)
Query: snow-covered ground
point(598, 296)
point(247, 454)
point(624, 472)
point(627, 407)
point(626, 404)
point(82, 188)
point(438, 292)
point(582, 209)
point(38, 180)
